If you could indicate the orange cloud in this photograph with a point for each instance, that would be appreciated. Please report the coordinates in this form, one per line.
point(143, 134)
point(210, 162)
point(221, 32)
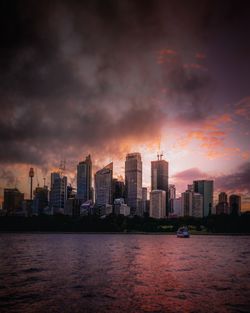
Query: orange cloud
point(243, 108)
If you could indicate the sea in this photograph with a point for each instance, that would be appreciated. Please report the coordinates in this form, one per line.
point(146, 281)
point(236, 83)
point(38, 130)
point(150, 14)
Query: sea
point(123, 273)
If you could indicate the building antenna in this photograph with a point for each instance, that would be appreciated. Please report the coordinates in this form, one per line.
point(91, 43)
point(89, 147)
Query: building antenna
point(44, 180)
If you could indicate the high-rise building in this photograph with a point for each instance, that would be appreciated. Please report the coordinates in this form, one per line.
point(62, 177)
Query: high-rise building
point(13, 199)
point(187, 202)
point(40, 200)
point(197, 205)
point(158, 204)
point(177, 207)
point(192, 203)
point(133, 182)
point(159, 177)
point(171, 197)
point(206, 189)
point(144, 199)
point(103, 185)
point(58, 192)
point(84, 179)
point(222, 206)
point(118, 189)
point(222, 197)
point(235, 204)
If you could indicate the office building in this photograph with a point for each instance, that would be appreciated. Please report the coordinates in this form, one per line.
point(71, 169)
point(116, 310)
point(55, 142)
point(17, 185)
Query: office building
point(197, 205)
point(187, 202)
point(222, 206)
point(177, 207)
point(103, 186)
point(206, 189)
point(159, 177)
point(13, 200)
point(171, 197)
point(235, 204)
point(118, 189)
point(158, 204)
point(40, 200)
point(133, 183)
point(144, 199)
point(120, 208)
point(84, 180)
point(58, 193)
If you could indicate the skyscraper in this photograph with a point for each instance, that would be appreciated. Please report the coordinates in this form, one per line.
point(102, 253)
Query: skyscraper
point(40, 199)
point(192, 203)
point(171, 197)
point(103, 185)
point(235, 204)
point(222, 206)
point(206, 189)
point(159, 177)
point(187, 202)
point(84, 179)
point(133, 182)
point(158, 204)
point(58, 192)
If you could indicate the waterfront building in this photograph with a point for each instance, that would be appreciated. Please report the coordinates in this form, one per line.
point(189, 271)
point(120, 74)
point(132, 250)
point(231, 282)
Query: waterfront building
point(171, 197)
point(13, 199)
point(103, 185)
point(177, 207)
point(187, 202)
point(197, 205)
point(159, 177)
point(222, 206)
point(133, 182)
point(206, 189)
point(58, 192)
point(84, 179)
point(158, 204)
point(235, 204)
point(118, 189)
point(40, 200)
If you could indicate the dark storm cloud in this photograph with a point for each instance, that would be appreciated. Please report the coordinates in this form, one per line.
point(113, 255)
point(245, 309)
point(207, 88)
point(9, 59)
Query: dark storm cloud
point(79, 76)
point(236, 182)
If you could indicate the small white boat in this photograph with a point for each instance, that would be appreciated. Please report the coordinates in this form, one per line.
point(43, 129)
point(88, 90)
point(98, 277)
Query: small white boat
point(183, 232)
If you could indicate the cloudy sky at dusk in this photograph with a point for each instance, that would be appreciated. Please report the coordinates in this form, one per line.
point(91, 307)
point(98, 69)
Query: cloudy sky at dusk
point(112, 77)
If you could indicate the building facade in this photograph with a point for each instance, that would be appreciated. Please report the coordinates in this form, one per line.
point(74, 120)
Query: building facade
point(58, 192)
point(206, 189)
point(133, 182)
point(84, 179)
point(13, 199)
point(159, 178)
point(235, 204)
point(103, 185)
point(158, 204)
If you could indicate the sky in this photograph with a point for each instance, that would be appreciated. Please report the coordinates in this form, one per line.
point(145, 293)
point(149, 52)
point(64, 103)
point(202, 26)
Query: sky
point(112, 77)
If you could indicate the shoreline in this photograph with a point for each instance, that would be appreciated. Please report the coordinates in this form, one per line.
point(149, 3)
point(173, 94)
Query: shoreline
point(121, 233)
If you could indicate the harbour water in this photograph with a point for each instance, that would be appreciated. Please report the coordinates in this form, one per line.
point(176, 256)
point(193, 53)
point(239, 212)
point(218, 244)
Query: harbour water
point(124, 273)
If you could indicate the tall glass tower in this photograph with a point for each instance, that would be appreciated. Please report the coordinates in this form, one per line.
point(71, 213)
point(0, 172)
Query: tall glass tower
point(159, 177)
point(103, 185)
point(205, 188)
point(84, 179)
point(133, 182)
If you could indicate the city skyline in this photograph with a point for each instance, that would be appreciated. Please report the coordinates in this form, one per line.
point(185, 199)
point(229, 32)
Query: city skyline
point(107, 80)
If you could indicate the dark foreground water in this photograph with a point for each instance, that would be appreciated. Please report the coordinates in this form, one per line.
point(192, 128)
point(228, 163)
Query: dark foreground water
point(123, 273)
